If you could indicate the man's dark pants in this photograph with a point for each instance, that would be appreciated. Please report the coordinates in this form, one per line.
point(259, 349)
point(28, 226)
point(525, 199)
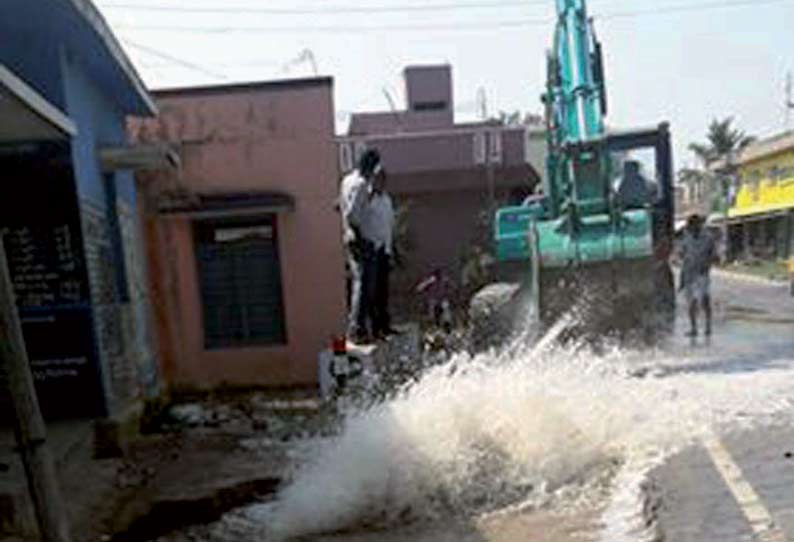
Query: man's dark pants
point(362, 264)
point(380, 315)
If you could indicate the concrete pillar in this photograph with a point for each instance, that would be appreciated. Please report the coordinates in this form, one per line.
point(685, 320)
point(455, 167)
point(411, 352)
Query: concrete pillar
point(791, 234)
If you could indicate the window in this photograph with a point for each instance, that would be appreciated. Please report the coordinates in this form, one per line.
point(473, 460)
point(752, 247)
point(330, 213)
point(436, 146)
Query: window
point(495, 148)
point(430, 106)
point(479, 147)
point(240, 282)
point(345, 157)
point(359, 148)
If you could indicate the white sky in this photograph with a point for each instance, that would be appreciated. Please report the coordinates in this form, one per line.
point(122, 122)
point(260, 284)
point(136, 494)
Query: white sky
point(685, 67)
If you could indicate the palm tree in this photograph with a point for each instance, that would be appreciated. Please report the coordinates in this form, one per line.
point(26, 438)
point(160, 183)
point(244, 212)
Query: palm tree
point(722, 139)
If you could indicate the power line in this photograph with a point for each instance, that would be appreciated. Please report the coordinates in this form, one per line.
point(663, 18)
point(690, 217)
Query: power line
point(174, 60)
point(335, 28)
point(327, 10)
point(488, 25)
point(704, 6)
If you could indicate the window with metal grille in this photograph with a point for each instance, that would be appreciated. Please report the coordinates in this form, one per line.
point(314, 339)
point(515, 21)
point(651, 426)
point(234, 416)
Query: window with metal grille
point(240, 281)
point(430, 106)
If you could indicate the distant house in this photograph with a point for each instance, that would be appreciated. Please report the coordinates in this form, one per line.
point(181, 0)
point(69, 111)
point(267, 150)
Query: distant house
point(72, 231)
point(760, 210)
point(447, 177)
point(244, 241)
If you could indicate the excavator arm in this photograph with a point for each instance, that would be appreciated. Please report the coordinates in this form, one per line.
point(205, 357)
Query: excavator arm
point(593, 242)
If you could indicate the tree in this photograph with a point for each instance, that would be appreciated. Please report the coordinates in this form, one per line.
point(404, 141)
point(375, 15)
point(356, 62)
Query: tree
point(722, 139)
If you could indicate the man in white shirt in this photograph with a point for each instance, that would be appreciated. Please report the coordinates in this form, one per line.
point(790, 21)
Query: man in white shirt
point(353, 204)
point(378, 229)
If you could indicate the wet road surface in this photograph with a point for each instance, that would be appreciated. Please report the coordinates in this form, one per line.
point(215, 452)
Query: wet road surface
point(740, 487)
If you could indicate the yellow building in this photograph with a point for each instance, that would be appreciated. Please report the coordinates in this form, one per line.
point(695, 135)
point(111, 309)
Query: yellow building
point(760, 217)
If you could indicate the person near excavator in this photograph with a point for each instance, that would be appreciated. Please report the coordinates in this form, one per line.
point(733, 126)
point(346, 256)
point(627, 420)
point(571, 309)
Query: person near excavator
point(378, 229)
point(698, 255)
point(435, 293)
point(361, 256)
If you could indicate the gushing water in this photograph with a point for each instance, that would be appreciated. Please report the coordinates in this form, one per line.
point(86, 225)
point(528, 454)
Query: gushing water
point(536, 427)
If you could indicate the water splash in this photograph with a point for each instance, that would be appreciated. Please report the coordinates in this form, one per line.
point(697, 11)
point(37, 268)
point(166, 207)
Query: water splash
point(526, 425)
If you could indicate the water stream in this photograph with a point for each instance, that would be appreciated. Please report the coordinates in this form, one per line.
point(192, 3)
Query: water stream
point(538, 427)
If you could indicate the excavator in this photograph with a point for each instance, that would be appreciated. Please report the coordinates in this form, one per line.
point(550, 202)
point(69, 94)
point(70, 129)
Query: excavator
point(594, 244)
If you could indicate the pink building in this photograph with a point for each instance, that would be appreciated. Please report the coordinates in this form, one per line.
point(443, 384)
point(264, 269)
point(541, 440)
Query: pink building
point(447, 176)
point(245, 255)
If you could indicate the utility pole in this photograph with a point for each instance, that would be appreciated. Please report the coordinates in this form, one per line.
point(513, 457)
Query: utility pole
point(789, 104)
point(29, 425)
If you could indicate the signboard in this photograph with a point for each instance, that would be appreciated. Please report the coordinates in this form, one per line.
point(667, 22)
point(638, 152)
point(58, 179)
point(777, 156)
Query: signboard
point(60, 347)
point(43, 243)
point(45, 265)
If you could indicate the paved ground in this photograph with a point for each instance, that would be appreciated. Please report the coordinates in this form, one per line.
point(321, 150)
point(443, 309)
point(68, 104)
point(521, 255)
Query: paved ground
point(740, 486)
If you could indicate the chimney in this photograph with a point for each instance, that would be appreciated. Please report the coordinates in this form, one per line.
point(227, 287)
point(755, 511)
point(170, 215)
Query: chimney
point(429, 89)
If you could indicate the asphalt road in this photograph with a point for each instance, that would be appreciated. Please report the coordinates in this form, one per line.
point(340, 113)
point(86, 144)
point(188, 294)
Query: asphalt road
point(738, 486)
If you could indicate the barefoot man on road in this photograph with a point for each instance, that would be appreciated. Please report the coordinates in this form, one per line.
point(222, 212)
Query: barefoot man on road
point(699, 253)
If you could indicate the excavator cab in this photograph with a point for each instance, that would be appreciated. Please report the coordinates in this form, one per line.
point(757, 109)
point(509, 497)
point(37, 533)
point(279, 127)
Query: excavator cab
point(641, 286)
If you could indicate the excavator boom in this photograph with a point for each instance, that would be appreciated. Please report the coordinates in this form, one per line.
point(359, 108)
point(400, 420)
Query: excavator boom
point(594, 242)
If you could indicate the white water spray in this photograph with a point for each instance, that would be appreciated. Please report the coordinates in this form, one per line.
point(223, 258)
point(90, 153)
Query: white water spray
point(529, 426)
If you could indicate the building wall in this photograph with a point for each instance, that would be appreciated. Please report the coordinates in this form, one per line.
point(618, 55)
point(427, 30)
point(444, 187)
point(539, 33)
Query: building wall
point(269, 137)
point(760, 220)
point(766, 185)
point(445, 222)
point(112, 243)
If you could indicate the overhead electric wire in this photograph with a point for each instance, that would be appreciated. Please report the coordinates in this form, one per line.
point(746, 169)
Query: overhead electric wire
point(326, 10)
point(483, 25)
point(335, 28)
point(174, 60)
point(703, 6)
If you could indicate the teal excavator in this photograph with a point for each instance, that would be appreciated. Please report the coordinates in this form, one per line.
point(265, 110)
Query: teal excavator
point(595, 242)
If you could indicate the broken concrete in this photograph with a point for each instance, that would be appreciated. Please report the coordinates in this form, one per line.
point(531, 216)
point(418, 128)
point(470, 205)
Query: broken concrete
point(207, 476)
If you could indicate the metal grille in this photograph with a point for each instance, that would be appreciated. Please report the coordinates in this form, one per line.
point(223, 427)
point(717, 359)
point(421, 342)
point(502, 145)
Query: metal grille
point(240, 283)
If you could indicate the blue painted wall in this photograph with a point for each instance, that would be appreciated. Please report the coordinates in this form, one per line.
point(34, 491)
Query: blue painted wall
point(33, 35)
point(29, 51)
point(49, 46)
point(100, 123)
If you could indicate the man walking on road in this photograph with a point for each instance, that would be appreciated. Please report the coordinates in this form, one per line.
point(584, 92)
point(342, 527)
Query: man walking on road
point(354, 206)
point(378, 229)
point(699, 253)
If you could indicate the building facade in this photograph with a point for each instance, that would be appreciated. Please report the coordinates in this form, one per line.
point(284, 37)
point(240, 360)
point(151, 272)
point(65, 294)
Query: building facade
point(446, 178)
point(760, 217)
point(244, 242)
point(72, 235)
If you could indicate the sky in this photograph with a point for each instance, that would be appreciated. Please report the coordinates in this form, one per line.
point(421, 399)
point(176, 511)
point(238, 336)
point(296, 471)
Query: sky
point(683, 61)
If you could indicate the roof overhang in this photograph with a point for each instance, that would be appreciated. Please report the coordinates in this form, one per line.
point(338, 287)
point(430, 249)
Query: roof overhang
point(155, 156)
point(756, 216)
point(207, 206)
point(26, 116)
point(90, 14)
